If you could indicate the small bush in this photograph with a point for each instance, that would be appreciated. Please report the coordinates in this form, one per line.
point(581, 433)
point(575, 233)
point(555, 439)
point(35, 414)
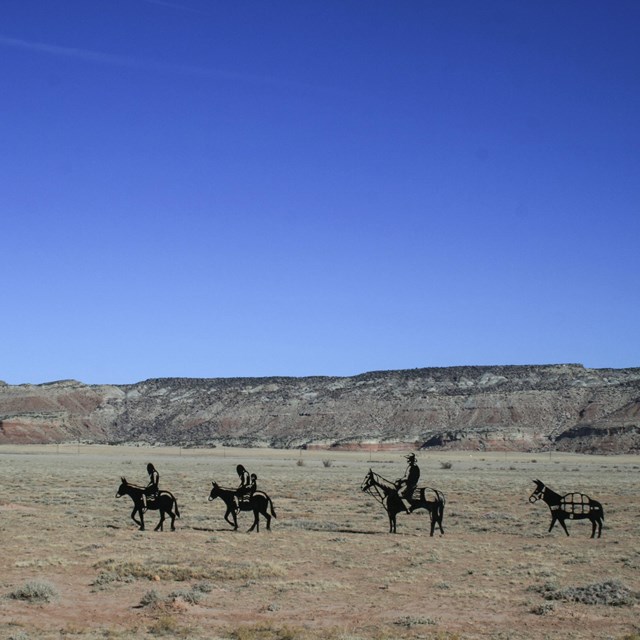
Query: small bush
point(150, 599)
point(446, 465)
point(327, 463)
point(611, 592)
point(35, 592)
point(300, 462)
point(413, 621)
point(543, 609)
point(203, 587)
point(190, 596)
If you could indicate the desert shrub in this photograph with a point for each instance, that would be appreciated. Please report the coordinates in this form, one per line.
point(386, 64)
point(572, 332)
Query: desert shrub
point(150, 599)
point(327, 463)
point(543, 609)
point(191, 596)
point(203, 587)
point(446, 465)
point(413, 621)
point(300, 462)
point(35, 592)
point(611, 592)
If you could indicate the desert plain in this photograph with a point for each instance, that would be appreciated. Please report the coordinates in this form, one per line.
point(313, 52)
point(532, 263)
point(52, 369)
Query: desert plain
point(74, 565)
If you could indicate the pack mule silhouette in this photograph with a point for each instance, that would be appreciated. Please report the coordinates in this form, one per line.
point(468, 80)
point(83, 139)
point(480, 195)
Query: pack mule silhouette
point(571, 506)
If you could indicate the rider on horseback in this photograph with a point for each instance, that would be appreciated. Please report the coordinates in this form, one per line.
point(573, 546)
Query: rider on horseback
point(408, 482)
point(151, 491)
point(246, 487)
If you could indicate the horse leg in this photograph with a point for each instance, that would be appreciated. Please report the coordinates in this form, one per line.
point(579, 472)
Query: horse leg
point(159, 526)
point(140, 522)
point(564, 526)
point(440, 517)
point(267, 518)
point(233, 523)
point(173, 520)
point(392, 522)
point(256, 522)
point(593, 527)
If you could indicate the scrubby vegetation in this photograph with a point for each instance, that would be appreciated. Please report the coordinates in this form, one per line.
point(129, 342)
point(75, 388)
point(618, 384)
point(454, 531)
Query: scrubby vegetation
point(35, 592)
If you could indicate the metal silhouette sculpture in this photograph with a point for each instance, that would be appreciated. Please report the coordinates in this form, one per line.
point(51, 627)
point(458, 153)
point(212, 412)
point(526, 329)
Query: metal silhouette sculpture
point(571, 506)
point(386, 493)
point(258, 502)
point(165, 502)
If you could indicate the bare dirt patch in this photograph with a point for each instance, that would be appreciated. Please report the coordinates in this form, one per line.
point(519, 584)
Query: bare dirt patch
point(328, 569)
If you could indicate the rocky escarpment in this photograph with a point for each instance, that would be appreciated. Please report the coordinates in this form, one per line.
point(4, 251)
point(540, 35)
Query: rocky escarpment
point(526, 408)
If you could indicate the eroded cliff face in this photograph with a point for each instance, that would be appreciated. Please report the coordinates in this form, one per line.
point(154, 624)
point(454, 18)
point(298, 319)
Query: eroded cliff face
point(524, 408)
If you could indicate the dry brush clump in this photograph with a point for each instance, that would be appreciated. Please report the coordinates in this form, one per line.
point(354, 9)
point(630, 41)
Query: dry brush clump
point(36, 592)
point(611, 593)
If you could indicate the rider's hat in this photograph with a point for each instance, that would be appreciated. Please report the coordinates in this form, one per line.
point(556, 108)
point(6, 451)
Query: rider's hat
point(411, 456)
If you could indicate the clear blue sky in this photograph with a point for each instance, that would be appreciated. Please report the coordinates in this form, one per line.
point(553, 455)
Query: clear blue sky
point(325, 187)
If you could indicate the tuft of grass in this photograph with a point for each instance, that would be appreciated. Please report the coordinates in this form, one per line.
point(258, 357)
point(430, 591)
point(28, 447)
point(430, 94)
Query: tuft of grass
point(327, 463)
point(127, 571)
point(167, 625)
point(35, 592)
point(446, 465)
point(263, 631)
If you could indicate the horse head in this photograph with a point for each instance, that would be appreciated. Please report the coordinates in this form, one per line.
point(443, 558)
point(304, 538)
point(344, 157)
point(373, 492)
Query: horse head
point(538, 493)
point(122, 489)
point(367, 482)
point(214, 491)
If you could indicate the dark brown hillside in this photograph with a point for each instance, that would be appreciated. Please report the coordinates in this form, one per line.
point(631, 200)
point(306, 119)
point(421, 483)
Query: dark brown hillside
point(523, 408)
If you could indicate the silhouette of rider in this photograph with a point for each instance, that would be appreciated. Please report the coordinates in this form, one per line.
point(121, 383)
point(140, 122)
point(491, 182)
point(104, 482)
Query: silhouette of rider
point(408, 482)
point(253, 485)
point(151, 490)
point(244, 488)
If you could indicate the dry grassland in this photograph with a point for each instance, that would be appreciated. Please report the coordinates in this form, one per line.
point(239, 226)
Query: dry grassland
point(74, 565)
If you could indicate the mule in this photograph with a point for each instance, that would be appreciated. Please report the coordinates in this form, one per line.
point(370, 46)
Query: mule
point(386, 493)
point(260, 503)
point(571, 506)
point(165, 502)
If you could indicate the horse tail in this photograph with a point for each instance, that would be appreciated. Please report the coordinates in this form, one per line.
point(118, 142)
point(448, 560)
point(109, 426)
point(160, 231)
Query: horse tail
point(273, 511)
point(175, 501)
point(441, 503)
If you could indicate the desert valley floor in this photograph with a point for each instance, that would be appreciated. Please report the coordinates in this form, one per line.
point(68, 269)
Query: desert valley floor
point(74, 565)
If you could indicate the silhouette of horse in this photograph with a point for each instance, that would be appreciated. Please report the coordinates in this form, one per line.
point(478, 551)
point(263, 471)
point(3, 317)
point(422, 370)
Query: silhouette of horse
point(258, 503)
point(572, 506)
point(165, 502)
point(386, 493)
